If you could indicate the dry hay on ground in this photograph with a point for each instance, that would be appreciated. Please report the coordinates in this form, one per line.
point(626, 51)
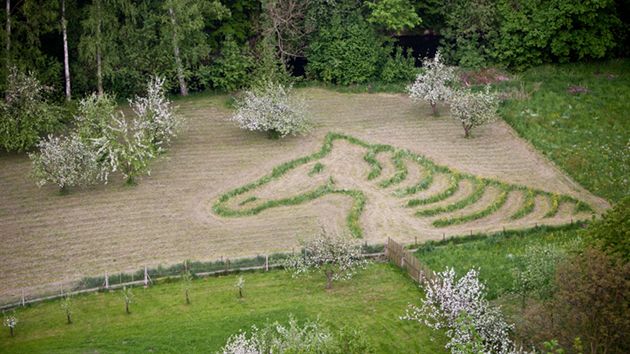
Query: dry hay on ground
point(168, 217)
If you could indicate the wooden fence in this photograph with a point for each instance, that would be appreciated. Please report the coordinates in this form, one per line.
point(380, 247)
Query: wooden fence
point(406, 260)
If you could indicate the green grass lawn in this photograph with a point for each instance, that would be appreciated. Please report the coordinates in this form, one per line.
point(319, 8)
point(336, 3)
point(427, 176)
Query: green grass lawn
point(161, 322)
point(586, 134)
point(495, 256)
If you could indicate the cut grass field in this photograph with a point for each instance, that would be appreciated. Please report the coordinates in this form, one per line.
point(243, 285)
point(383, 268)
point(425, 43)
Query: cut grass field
point(587, 134)
point(161, 322)
point(168, 216)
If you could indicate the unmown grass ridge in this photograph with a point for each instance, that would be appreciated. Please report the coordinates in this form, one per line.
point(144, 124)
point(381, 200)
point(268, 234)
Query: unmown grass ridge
point(399, 157)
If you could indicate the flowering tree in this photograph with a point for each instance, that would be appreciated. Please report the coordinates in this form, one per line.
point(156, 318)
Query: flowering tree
point(187, 284)
point(461, 307)
point(276, 338)
point(274, 109)
point(474, 109)
point(240, 285)
point(66, 161)
point(10, 321)
point(337, 256)
point(24, 114)
point(128, 295)
point(434, 83)
point(156, 113)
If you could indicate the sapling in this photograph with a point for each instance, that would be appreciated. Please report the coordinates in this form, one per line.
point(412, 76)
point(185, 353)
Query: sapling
point(10, 321)
point(239, 285)
point(128, 295)
point(187, 284)
point(67, 304)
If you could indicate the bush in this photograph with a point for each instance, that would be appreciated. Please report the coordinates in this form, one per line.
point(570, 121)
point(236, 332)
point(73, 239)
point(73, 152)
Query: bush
point(231, 70)
point(274, 109)
point(399, 67)
point(611, 233)
point(25, 114)
point(346, 51)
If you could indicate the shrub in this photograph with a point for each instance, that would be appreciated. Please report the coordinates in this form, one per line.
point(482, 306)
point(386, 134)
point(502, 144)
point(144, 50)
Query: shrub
point(25, 114)
point(274, 109)
point(399, 67)
point(345, 51)
point(611, 233)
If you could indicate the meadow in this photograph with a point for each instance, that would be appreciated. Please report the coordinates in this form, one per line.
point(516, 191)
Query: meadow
point(161, 322)
point(495, 256)
point(587, 133)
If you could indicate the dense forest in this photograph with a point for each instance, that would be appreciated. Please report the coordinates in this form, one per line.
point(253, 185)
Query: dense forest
point(77, 47)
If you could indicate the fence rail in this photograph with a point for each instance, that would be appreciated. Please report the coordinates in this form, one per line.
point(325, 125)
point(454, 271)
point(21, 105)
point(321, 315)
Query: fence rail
point(417, 270)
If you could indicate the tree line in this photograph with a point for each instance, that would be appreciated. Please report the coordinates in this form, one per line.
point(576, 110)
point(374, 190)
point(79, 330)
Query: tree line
point(83, 46)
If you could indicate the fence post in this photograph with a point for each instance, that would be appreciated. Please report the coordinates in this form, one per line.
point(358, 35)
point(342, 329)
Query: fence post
point(23, 297)
point(416, 241)
point(266, 262)
point(228, 264)
point(61, 283)
point(106, 281)
point(421, 277)
point(402, 261)
point(145, 276)
point(386, 248)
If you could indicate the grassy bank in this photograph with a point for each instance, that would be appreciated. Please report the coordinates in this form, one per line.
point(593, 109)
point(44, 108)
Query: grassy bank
point(586, 134)
point(161, 322)
point(495, 256)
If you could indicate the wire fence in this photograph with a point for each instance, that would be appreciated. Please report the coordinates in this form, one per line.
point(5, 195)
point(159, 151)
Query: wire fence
point(149, 275)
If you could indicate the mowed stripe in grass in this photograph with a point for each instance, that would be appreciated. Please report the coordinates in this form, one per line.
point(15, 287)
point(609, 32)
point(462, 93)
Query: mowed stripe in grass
point(160, 321)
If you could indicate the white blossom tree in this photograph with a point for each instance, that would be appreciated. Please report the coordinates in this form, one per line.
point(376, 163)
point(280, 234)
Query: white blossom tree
point(434, 83)
point(67, 304)
point(474, 109)
point(66, 161)
point(336, 256)
point(128, 296)
point(157, 113)
point(460, 306)
point(10, 321)
point(272, 108)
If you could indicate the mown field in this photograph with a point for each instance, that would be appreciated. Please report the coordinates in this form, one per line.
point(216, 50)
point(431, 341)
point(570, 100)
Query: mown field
point(160, 322)
point(169, 216)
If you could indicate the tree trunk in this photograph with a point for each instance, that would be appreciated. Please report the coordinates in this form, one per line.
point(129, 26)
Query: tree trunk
point(328, 280)
point(240, 292)
point(466, 128)
point(187, 301)
point(127, 306)
point(65, 49)
point(11, 331)
point(63, 189)
point(433, 106)
point(69, 322)
point(99, 70)
point(178, 61)
point(8, 33)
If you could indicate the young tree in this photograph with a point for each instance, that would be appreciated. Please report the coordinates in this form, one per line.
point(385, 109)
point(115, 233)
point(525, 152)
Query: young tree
point(239, 285)
point(128, 295)
point(434, 83)
point(25, 114)
point(449, 301)
point(10, 321)
point(67, 304)
point(538, 272)
point(187, 282)
point(274, 109)
point(474, 109)
point(66, 161)
point(336, 256)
